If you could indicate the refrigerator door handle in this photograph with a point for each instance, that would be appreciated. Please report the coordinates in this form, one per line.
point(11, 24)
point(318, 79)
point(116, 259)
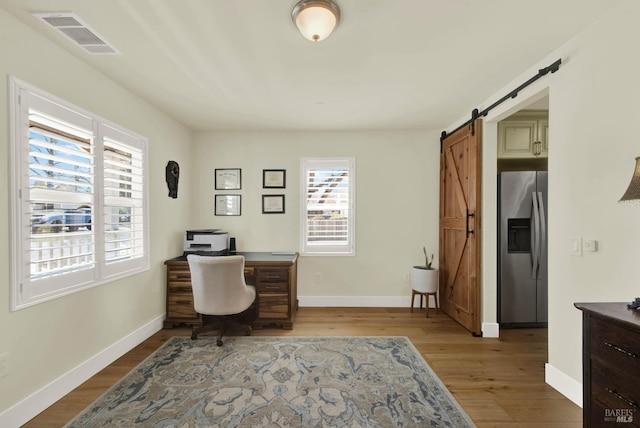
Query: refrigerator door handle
point(535, 231)
point(543, 231)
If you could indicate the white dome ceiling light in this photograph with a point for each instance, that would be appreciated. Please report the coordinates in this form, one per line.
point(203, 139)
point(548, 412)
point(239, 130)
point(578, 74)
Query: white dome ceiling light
point(316, 19)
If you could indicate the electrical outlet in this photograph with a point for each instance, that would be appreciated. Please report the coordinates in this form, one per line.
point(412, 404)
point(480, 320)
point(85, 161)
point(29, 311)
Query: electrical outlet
point(318, 277)
point(4, 364)
point(405, 278)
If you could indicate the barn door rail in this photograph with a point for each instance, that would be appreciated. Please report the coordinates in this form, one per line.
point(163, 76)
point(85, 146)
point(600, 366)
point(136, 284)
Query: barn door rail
point(475, 113)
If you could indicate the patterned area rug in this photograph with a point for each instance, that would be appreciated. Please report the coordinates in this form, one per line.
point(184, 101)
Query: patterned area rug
point(279, 382)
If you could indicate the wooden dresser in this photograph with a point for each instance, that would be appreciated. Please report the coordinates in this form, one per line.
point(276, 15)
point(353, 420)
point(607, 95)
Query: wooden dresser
point(611, 364)
point(273, 274)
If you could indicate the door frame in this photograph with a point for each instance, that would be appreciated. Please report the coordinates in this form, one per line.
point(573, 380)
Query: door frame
point(489, 245)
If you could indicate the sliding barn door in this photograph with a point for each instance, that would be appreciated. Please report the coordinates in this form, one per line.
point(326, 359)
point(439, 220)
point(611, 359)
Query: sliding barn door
point(459, 262)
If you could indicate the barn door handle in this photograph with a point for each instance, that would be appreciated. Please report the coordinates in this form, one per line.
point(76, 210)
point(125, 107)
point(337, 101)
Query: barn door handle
point(469, 215)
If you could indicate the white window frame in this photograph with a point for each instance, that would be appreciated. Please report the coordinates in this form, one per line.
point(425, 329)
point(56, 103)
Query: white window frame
point(28, 289)
point(309, 248)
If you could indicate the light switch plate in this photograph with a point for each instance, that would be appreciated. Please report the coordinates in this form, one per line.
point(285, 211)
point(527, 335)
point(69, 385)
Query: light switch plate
point(576, 247)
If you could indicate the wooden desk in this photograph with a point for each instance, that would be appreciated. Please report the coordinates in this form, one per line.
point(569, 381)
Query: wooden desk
point(610, 364)
point(274, 276)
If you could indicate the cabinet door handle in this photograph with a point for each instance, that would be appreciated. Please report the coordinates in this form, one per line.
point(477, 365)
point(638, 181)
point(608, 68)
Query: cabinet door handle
point(272, 276)
point(621, 350)
point(623, 398)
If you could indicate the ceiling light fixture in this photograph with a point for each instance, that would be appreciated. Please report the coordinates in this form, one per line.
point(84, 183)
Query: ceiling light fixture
point(316, 19)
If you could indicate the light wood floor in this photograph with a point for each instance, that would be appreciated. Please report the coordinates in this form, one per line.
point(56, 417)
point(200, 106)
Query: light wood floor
point(498, 382)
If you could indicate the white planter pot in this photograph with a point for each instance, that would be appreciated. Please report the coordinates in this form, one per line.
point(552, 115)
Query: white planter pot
point(424, 280)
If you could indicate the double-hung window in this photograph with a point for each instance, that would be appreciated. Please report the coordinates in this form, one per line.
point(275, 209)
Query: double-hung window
point(79, 198)
point(328, 206)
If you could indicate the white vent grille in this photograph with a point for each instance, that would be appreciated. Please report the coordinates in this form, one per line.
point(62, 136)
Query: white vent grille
point(74, 29)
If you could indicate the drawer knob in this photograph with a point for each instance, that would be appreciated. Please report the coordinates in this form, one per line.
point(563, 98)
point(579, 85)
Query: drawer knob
point(619, 349)
point(623, 398)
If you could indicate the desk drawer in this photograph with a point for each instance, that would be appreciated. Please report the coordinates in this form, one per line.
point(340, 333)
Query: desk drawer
point(273, 306)
point(273, 274)
point(179, 276)
point(181, 306)
point(273, 287)
point(179, 287)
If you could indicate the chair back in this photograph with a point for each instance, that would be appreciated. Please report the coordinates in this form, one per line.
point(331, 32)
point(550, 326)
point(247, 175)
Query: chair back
point(218, 285)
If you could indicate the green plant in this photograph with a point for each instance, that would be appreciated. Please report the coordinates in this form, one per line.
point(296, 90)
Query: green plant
point(427, 262)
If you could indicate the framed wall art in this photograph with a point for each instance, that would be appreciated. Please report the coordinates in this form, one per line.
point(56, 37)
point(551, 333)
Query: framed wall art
point(228, 179)
point(228, 204)
point(274, 178)
point(272, 204)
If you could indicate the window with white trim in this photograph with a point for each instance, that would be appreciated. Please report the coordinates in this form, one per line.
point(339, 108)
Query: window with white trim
point(328, 206)
point(79, 198)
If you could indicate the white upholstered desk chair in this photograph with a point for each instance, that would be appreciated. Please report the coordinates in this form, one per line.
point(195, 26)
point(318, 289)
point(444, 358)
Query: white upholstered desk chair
point(219, 292)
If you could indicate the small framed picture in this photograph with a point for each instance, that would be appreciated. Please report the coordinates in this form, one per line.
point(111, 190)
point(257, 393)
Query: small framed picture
point(274, 178)
point(228, 179)
point(228, 204)
point(272, 204)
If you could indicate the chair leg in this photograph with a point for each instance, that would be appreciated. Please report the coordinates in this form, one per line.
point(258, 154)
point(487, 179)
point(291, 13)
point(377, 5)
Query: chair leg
point(207, 325)
point(228, 323)
point(220, 333)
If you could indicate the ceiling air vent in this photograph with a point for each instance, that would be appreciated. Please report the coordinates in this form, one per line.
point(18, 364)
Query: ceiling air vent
point(73, 28)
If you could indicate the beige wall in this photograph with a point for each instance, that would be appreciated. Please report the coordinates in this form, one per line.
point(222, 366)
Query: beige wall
point(396, 206)
point(47, 340)
point(593, 104)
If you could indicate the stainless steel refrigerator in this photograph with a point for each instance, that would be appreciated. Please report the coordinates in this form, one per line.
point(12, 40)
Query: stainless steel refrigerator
point(522, 237)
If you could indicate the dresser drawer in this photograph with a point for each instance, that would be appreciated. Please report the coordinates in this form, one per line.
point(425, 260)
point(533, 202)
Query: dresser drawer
point(602, 416)
point(612, 387)
point(616, 346)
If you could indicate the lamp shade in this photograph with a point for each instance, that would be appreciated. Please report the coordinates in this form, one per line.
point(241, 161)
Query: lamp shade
point(633, 191)
point(316, 19)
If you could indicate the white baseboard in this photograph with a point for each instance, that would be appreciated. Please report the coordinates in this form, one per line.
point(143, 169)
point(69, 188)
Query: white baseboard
point(564, 384)
point(356, 301)
point(490, 329)
point(31, 406)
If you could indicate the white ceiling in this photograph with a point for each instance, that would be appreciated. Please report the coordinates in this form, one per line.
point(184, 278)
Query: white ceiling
point(390, 64)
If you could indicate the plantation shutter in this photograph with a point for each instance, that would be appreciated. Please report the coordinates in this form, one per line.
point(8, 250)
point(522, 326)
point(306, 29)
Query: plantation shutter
point(57, 180)
point(78, 198)
point(328, 210)
point(124, 234)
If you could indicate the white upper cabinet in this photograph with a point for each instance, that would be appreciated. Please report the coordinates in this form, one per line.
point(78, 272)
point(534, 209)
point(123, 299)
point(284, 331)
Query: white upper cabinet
point(524, 135)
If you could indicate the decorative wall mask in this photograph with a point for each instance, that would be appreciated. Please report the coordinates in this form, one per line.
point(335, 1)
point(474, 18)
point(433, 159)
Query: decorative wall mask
point(172, 173)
